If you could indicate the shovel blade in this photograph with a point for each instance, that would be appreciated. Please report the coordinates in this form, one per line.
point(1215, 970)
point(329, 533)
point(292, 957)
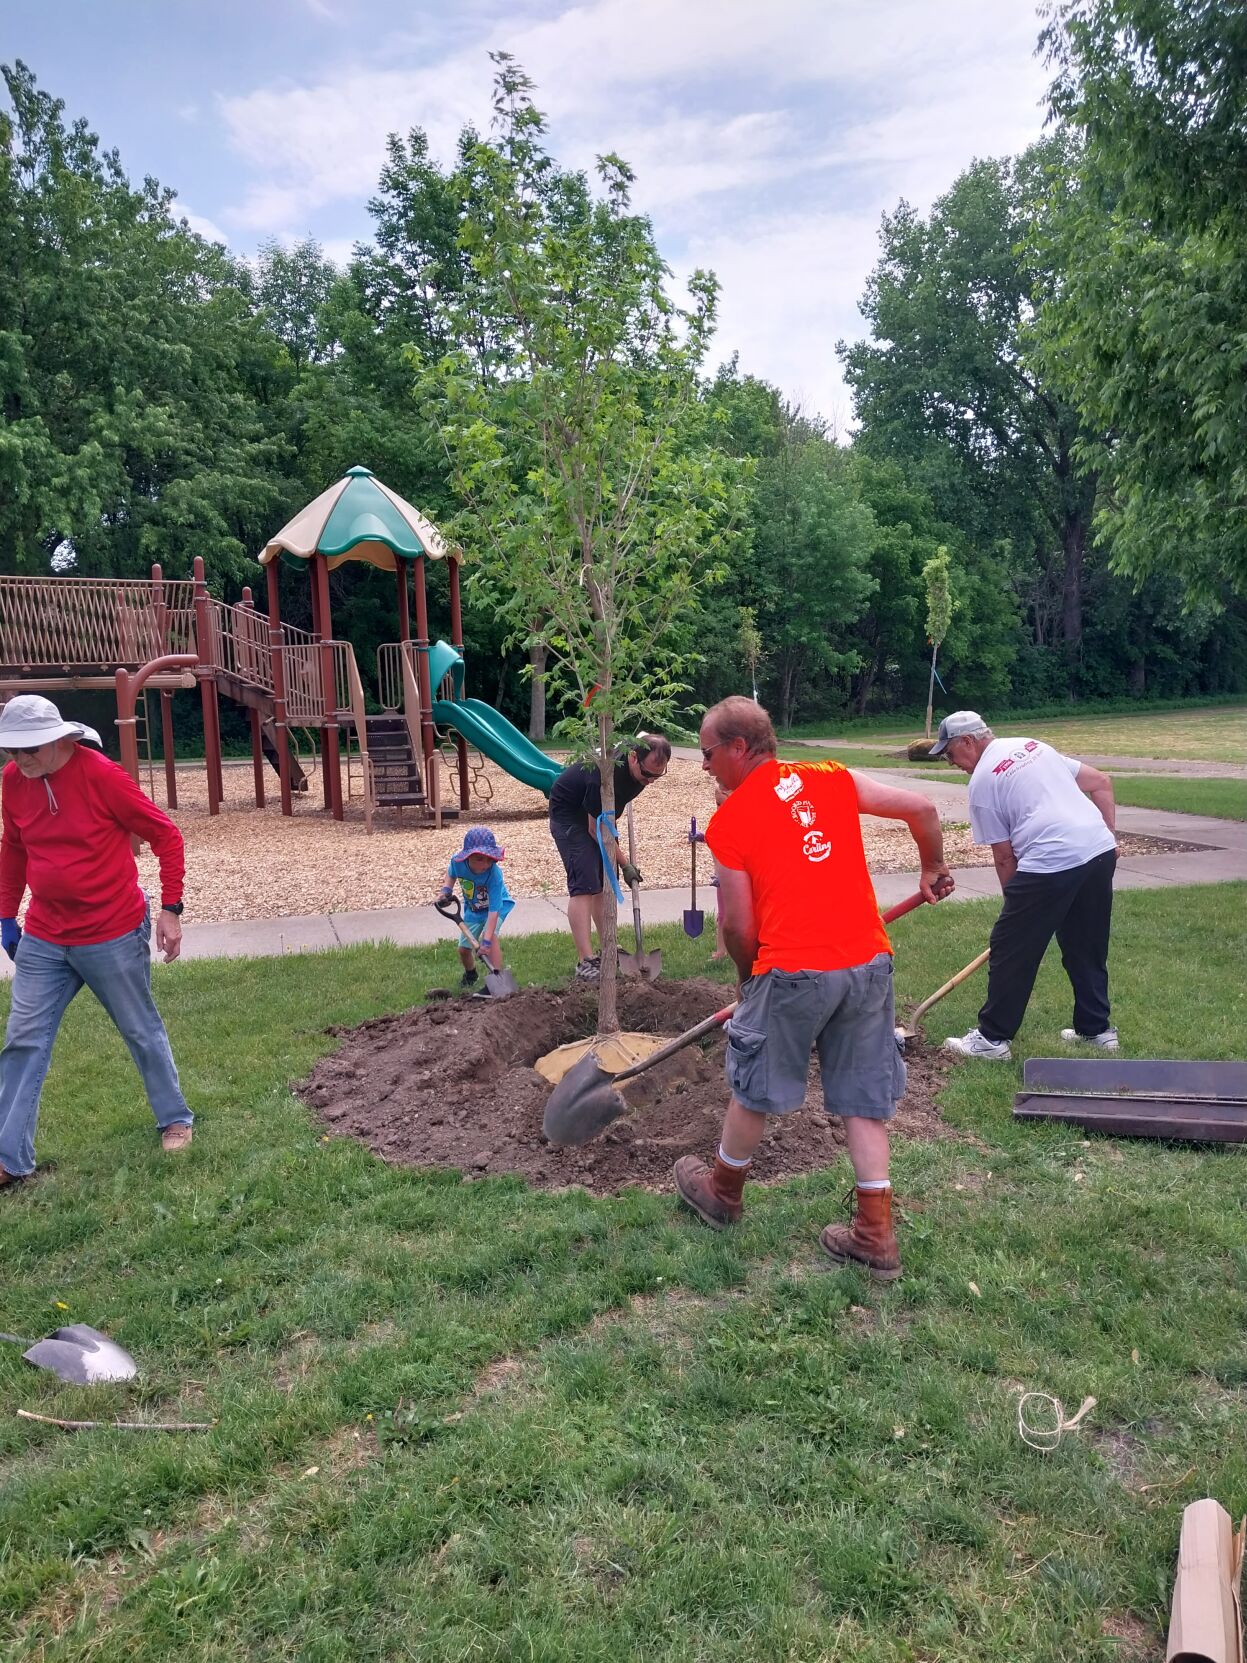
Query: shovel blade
point(501, 984)
point(693, 922)
point(651, 966)
point(82, 1356)
point(583, 1104)
point(630, 965)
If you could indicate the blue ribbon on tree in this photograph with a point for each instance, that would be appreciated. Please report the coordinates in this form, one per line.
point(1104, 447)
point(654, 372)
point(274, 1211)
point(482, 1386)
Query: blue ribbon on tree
point(607, 819)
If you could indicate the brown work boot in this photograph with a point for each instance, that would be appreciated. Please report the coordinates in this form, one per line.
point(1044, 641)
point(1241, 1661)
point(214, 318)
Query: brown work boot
point(176, 1137)
point(8, 1178)
point(868, 1239)
point(714, 1193)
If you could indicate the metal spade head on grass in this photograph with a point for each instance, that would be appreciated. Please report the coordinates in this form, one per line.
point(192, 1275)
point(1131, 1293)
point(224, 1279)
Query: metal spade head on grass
point(80, 1355)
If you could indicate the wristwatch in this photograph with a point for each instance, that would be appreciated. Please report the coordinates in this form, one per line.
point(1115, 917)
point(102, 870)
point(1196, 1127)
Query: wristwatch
point(175, 907)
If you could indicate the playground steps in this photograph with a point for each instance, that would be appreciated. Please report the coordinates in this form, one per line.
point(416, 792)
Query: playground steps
point(396, 772)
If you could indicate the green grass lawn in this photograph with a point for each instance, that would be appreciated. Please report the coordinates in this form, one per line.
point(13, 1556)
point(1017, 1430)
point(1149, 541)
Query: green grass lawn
point(1224, 799)
point(469, 1420)
point(1216, 733)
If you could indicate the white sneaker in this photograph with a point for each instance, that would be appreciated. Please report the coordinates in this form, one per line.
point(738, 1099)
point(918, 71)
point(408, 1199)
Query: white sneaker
point(974, 1045)
point(1107, 1041)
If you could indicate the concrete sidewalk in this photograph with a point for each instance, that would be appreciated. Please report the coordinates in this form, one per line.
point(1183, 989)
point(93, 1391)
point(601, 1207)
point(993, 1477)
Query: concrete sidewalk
point(1223, 859)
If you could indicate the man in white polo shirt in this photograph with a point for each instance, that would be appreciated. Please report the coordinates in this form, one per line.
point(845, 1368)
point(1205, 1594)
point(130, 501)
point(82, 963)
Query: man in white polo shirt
point(1050, 821)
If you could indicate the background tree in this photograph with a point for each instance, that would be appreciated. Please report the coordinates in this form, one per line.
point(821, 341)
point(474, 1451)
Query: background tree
point(1147, 325)
point(946, 386)
point(622, 509)
point(130, 363)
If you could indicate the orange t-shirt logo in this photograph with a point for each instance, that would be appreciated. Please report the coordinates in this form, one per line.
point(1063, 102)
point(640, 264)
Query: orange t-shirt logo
point(796, 832)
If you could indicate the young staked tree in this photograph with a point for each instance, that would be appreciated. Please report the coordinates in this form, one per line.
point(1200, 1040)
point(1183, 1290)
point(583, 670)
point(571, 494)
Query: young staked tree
point(935, 576)
point(578, 439)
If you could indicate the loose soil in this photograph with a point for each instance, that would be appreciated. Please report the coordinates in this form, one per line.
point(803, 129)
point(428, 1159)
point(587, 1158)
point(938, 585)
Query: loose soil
point(452, 1085)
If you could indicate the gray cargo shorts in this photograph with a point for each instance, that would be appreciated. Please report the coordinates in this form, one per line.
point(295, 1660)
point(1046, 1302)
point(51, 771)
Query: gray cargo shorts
point(847, 1015)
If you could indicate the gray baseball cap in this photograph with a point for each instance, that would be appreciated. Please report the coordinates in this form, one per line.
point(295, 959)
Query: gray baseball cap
point(962, 724)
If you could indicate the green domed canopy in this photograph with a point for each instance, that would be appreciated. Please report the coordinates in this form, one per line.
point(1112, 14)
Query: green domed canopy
point(359, 518)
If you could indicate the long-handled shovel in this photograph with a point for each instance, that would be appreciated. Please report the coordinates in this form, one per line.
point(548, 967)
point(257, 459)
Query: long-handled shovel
point(648, 966)
point(910, 1029)
point(585, 1101)
point(499, 984)
point(693, 917)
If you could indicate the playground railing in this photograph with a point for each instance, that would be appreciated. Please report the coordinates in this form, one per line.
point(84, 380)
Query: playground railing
point(349, 692)
point(63, 623)
point(239, 646)
point(390, 676)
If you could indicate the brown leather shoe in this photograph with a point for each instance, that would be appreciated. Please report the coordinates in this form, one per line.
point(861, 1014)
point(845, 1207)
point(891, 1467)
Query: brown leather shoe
point(8, 1178)
point(176, 1137)
point(868, 1239)
point(714, 1193)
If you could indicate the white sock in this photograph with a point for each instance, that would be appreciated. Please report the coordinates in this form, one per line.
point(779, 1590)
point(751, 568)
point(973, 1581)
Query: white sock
point(729, 1161)
point(874, 1183)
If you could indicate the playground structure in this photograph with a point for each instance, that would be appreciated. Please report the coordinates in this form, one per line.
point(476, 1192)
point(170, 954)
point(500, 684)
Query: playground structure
point(157, 635)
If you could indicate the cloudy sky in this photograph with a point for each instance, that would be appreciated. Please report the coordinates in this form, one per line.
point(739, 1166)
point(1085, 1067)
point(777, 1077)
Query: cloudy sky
point(767, 136)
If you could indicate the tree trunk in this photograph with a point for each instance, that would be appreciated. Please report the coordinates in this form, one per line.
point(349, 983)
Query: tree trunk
point(931, 688)
point(537, 654)
point(1074, 541)
point(608, 938)
point(866, 685)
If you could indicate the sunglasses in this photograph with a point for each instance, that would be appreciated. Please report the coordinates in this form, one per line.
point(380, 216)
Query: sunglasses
point(650, 773)
point(22, 750)
point(707, 751)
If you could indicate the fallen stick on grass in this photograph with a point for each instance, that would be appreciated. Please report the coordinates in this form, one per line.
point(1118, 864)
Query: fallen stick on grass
point(118, 1425)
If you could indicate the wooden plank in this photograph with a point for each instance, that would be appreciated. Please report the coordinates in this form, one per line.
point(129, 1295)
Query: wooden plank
point(1194, 1120)
point(1125, 1076)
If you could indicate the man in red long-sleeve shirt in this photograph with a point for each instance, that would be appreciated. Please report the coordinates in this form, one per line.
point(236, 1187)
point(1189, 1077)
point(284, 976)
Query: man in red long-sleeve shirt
point(68, 815)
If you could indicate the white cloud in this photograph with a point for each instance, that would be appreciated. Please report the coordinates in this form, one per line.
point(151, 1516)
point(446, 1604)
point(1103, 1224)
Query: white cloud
point(201, 223)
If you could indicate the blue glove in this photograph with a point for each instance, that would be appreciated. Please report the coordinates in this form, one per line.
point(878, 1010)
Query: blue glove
point(10, 935)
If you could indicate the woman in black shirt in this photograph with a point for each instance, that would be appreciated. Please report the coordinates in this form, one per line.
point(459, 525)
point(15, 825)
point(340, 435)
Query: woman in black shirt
point(575, 803)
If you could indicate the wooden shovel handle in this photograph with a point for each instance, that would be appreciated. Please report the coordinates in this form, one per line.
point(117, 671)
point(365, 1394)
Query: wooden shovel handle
point(674, 1045)
point(950, 984)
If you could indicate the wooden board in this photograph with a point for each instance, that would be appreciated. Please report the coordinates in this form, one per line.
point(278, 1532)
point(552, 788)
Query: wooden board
point(1130, 1076)
point(1198, 1120)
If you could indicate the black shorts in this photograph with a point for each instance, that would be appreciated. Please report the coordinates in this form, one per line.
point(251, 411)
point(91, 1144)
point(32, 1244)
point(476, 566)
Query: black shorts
point(581, 857)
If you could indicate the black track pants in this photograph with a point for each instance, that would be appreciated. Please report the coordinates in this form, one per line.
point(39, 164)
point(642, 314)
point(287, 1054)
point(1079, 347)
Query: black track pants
point(1077, 907)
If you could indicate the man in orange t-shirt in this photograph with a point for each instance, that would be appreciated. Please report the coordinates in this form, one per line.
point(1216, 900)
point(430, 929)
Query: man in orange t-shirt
point(802, 925)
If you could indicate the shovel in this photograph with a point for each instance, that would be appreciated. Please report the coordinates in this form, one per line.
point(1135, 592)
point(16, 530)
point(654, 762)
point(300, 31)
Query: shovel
point(80, 1355)
point(910, 1029)
point(648, 966)
point(585, 1101)
point(693, 918)
point(499, 984)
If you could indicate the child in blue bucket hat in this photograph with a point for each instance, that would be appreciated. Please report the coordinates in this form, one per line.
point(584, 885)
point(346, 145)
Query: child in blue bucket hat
point(486, 901)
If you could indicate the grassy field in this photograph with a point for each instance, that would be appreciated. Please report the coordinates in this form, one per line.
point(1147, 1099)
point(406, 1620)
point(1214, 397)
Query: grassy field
point(471, 1421)
point(1204, 733)
point(1224, 799)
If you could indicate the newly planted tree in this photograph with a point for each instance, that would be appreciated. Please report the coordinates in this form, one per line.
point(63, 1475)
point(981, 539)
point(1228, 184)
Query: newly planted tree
point(577, 439)
point(939, 615)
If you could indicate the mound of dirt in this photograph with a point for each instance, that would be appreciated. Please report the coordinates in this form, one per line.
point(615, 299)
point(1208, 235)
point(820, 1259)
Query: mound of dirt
point(452, 1085)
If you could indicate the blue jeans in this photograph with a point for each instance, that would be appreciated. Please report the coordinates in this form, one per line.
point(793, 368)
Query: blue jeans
point(45, 979)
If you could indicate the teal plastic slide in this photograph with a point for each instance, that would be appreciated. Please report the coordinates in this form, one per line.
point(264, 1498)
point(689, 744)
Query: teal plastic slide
point(481, 725)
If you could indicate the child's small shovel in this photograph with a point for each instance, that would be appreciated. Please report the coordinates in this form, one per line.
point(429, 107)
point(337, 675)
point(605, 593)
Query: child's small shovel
point(499, 984)
point(693, 917)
